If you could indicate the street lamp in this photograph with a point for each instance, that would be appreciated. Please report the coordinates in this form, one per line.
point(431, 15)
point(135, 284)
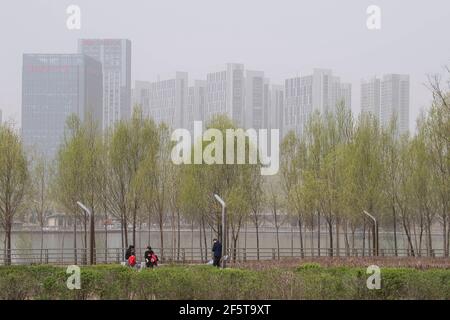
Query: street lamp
point(224, 238)
point(375, 231)
point(92, 226)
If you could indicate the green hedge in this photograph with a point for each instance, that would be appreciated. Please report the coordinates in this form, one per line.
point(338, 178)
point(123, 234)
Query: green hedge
point(205, 282)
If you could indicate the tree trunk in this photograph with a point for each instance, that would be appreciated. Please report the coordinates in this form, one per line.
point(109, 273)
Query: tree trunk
point(347, 244)
point(192, 241)
point(174, 236)
point(394, 215)
point(204, 238)
point(92, 239)
point(276, 228)
point(8, 244)
point(106, 238)
point(408, 236)
point(75, 256)
point(292, 242)
point(201, 244)
point(444, 235)
point(134, 225)
point(245, 239)
point(318, 233)
point(85, 240)
point(122, 240)
point(257, 238)
point(353, 238)
point(364, 238)
point(338, 249)
point(429, 242)
point(42, 242)
point(179, 234)
point(330, 233)
point(125, 231)
point(312, 237)
point(161, 234)
point(149, 229)
point(301, 237)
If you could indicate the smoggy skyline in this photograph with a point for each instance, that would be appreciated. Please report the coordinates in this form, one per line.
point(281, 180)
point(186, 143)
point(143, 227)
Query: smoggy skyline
point(282, 38)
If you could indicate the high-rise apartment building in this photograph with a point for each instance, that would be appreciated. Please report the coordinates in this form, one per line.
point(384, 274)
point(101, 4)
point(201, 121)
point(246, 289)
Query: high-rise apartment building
point(140, 96)
point(256, 96)
point(55, 86)
point(164, 100)
point(115, 57)
point(225, 94)
point(370, 96)
point(275, 108)
point(320, 91)
point(387, 98)
point(395, 101)
point(195, 106)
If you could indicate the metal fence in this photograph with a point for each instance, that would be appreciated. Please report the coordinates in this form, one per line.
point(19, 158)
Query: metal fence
point(80, 256)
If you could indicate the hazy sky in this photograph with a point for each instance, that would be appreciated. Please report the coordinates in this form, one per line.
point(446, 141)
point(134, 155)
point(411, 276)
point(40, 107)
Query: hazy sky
point(283, 38)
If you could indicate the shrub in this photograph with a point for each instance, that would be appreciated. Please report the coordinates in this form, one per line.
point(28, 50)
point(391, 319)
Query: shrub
point(308, 281)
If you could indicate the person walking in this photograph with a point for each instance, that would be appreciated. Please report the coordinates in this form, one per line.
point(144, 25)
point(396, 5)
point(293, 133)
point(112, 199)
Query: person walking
point(217, 250)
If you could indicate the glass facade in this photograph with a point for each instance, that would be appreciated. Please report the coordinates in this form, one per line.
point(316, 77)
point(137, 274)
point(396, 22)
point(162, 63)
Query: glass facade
point(55, 86)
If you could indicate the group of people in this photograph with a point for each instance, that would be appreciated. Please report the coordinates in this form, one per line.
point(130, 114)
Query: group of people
point(151, 259)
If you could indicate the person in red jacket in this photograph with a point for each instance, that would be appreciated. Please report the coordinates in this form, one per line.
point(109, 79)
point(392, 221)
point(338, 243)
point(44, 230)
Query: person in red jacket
point(132, 260)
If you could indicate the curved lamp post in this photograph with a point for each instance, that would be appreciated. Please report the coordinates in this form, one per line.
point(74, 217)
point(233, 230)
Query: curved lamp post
point(92, 226)
point(375, 232)
point(224, 238)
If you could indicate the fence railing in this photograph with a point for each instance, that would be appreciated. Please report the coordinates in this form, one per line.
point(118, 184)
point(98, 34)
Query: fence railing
point(81, 256)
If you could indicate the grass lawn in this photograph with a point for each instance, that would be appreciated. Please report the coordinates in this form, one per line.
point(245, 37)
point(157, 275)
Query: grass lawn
point(326, 278)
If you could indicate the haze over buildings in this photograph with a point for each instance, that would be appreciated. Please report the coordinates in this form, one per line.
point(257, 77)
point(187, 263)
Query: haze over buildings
point(115, 57)
point(55, 86)
point(322, 91)
point(386, 99)
point(284, 40)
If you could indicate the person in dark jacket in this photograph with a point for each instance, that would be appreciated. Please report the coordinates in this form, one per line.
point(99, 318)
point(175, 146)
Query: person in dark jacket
point(217, 250)
point(147, 257)
point(129, 252)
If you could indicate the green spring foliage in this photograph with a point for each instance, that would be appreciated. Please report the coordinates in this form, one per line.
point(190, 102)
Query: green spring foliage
point(309, 281)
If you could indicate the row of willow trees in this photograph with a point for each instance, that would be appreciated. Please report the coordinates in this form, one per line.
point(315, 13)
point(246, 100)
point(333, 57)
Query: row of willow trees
point(339, 167)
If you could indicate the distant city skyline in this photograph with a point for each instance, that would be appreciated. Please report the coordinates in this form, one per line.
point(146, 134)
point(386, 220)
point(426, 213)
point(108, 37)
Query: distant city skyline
point(285, 40)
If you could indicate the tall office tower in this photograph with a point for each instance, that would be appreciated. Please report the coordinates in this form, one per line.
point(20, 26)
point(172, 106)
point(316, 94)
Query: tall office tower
point(195, 106)
point(275, 112)
point(167, 100)
point(225, 94)
point(254, 100)
point(55, 86)
point(395, 101)
point(115, 56)
point(370, 96)
point(320, 91)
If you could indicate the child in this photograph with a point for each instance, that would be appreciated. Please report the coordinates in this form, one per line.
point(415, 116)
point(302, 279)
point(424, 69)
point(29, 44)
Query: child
point(132, 260)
